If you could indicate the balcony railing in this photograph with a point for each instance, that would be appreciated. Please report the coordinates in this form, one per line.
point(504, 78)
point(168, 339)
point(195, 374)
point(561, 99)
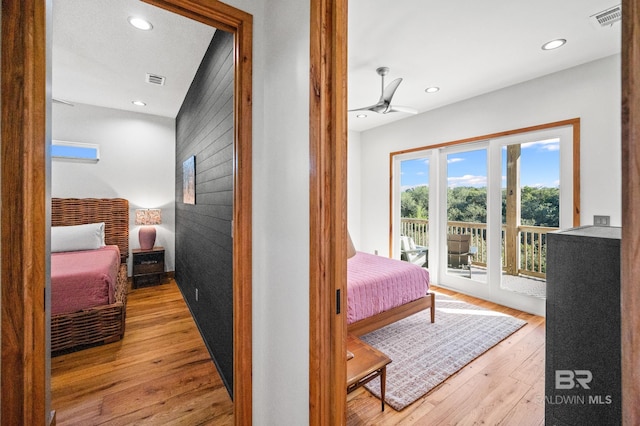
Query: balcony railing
point(533, 250)
point(532, 240)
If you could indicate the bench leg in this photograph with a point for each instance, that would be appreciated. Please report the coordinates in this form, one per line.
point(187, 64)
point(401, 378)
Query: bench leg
point(383, 382)
point(433, 307)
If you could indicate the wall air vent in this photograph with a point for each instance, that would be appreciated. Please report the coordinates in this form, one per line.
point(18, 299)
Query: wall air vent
point(155, 79)
point(607, 17)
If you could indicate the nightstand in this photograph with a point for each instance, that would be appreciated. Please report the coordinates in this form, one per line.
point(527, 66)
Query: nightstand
point(148, 267)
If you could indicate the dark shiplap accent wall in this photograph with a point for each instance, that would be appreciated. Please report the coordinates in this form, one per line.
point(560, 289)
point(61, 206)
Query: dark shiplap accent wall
point(204, 128)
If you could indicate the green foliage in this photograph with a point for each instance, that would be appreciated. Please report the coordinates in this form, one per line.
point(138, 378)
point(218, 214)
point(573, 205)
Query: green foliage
point(467, 204)
point(539, 206)
point(414, 202)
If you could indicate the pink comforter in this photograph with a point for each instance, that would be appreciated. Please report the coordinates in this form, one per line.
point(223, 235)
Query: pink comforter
point(83, 279)
point(376, 284)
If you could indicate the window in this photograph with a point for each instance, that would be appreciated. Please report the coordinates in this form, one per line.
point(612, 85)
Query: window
point(486, 207)
point(75, 151)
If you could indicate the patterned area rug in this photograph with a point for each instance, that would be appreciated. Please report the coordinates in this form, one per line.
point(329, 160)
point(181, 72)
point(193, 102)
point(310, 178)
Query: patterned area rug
point(424, 354)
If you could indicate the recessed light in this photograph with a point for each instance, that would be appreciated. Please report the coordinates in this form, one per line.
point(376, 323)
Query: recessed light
point(138, 103)
point(361, 116)
point(432, 89)
point(554, 44)
point(139, 23)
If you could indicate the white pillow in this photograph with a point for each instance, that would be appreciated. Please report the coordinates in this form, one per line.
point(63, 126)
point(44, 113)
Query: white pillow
point(77, 237)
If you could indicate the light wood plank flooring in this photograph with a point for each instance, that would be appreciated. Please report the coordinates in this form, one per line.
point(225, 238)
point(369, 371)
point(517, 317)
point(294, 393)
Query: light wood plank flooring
point(504, 386)
point(159, 374)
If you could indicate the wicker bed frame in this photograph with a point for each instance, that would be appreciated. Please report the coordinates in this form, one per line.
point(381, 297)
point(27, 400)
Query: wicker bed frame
point(101, 324)
point(375, 322)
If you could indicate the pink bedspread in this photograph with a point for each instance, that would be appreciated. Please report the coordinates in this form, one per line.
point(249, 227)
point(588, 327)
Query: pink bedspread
point(83, 279)
point(376, 284)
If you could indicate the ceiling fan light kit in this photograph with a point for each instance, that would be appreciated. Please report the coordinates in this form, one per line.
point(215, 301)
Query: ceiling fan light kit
point(384, 104)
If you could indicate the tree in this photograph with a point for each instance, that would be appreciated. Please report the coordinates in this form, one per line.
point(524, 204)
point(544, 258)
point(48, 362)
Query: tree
point(408, 206)
point(467, 204)
point(539, 206)
point(414, 202)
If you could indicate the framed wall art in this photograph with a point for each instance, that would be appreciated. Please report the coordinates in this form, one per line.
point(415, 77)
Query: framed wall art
point(189, 180)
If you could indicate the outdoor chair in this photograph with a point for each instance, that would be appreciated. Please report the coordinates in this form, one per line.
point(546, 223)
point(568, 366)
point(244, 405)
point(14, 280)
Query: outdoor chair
point(412, 253)
point(459, 251)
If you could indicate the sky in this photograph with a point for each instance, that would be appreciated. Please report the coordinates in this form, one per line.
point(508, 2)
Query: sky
point(539, 167)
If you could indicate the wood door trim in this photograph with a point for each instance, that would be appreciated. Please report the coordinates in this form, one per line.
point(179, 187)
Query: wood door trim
point(630, 268)
point(23, 234)
point(24, 202)
point(239, 23)
point(570, 122)
point(327, 212)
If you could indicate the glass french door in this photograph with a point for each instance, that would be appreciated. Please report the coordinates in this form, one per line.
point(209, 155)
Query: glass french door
point(490, 205)
point(465, 231)
point(530, 209)
point(413, 206)
point(537, 197)
point(504, 195)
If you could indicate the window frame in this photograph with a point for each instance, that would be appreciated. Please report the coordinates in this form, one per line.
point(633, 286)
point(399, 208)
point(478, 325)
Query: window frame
point(77, 145)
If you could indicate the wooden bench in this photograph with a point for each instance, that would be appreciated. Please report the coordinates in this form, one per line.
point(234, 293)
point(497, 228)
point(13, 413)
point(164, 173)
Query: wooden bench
point(366, 364)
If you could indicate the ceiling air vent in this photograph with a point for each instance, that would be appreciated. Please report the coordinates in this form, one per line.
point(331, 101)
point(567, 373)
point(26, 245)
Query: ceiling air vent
point(155, 79)
point(608, 17)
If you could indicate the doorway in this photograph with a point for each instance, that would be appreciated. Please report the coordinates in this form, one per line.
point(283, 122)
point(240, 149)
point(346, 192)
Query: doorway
point(25, 140)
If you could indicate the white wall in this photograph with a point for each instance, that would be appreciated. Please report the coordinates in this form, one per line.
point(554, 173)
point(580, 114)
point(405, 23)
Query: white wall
point(281, 220)
point(280, 210)
point(353, 187)
point(590, 92)
point(137, 162)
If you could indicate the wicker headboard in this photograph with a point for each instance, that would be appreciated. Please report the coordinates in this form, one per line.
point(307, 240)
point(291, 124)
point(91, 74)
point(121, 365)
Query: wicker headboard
point(114, 212)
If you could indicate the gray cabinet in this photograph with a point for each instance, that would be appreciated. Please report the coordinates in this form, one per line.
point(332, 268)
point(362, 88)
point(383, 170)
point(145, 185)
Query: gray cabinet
point(582, 372)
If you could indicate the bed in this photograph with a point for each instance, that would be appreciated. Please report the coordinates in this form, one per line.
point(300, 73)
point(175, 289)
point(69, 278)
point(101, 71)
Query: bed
point(88, 309)
point(381, 291)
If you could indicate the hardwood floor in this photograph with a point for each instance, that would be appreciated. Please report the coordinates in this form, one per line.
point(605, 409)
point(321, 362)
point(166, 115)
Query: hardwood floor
point(159, 374)
point(504, 386)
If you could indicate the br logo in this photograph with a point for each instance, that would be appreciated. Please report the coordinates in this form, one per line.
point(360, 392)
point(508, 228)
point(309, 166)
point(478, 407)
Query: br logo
point(569, 379)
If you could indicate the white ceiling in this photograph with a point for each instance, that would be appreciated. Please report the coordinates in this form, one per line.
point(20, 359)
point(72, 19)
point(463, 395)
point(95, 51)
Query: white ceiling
point(466, 47)
point(99, 59)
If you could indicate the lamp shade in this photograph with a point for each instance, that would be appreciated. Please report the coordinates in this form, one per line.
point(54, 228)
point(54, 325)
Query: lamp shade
point(148, 216)
point(351, 249)
point(147, 233)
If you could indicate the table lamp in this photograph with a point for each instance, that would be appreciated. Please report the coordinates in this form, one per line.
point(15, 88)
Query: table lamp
point(147, 232)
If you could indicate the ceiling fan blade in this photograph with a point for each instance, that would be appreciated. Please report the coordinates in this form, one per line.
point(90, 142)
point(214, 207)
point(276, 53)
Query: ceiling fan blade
point(379, 107)
point(406, 109)
point(388, 92)
point(384, 104)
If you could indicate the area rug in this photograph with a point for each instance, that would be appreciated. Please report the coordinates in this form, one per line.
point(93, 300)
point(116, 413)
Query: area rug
point(424, 354)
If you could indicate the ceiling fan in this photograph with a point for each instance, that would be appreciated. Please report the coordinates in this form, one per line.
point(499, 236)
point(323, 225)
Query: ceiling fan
point(384, 104)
